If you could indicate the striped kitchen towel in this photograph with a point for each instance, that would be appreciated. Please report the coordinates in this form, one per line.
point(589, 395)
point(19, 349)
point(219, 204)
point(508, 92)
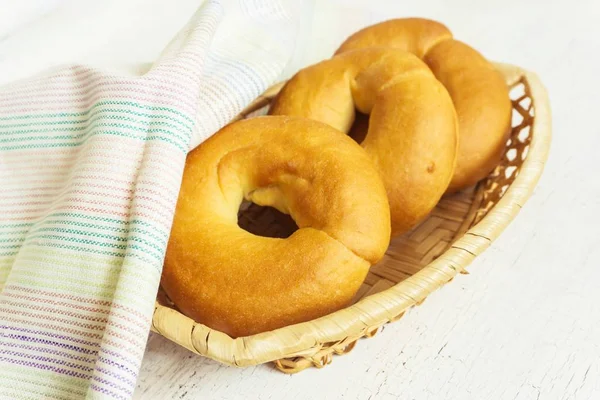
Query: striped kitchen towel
point(90, 167)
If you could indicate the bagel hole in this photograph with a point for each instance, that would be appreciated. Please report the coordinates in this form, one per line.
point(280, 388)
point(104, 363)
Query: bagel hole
point(265, 221)
point(358, 130)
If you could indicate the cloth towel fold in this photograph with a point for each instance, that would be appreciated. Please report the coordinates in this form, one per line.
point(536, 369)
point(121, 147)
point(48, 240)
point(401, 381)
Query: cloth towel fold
point(90, 167)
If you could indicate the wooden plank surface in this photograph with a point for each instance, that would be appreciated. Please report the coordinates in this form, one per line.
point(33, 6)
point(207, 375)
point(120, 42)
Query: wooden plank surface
point(525, 323)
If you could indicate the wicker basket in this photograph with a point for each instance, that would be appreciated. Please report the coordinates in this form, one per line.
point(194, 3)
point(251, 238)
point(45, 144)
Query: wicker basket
point(417, 263)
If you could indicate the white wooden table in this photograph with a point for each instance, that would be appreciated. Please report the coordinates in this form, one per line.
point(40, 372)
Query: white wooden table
point(525, 324)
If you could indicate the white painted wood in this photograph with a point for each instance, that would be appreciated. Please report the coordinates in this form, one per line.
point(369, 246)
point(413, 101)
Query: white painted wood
point(525, 324)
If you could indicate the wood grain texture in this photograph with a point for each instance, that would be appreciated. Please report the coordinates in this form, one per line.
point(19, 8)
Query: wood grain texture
point(524, 324)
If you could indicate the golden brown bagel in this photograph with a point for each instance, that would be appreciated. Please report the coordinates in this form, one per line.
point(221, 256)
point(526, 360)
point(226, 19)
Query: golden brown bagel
point(242, 284)
point(478, 91)
point(412, 135)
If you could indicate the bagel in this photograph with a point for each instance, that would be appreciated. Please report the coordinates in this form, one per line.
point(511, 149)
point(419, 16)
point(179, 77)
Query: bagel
point(412, 136)
point(241, 284)
point(479, 92)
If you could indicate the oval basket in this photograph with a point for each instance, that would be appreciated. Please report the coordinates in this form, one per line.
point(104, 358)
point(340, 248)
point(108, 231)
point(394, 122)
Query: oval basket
point(417, 263)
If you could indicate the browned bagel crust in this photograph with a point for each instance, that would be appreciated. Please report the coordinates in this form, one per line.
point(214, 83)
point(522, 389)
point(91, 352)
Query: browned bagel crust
point(412, 136)
point(242, 284)
point(479, 92)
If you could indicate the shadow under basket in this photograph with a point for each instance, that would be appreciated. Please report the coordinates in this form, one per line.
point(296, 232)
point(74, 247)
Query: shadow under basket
point(461, 227)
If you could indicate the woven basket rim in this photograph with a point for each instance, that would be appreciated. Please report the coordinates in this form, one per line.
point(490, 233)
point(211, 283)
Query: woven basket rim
point(379, 308)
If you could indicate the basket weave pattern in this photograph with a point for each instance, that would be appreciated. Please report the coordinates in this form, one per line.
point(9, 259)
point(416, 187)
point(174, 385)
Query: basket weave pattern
point(415, 264)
